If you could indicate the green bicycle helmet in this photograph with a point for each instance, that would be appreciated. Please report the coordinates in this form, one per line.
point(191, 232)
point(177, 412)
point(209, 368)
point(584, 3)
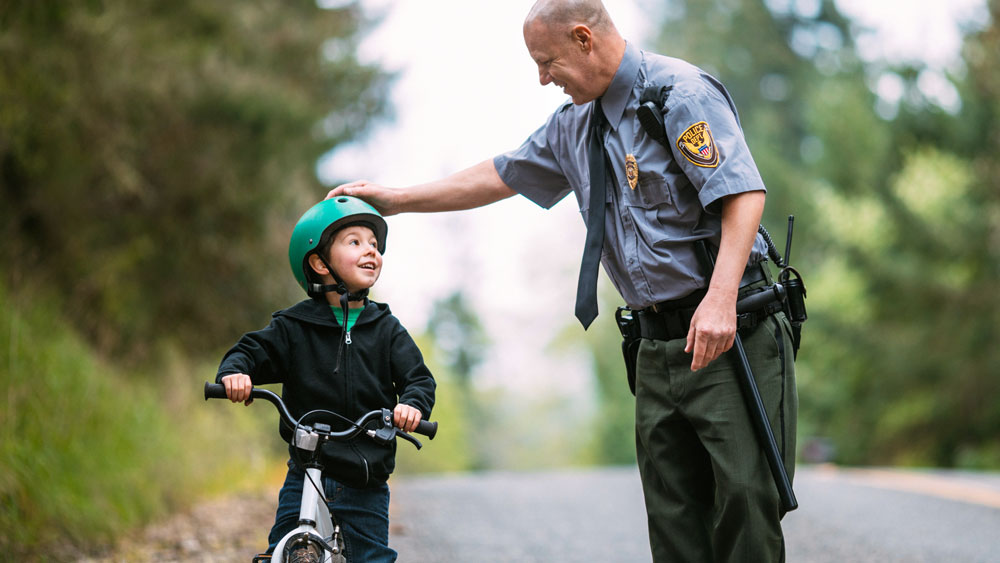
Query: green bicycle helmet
point(319, 223)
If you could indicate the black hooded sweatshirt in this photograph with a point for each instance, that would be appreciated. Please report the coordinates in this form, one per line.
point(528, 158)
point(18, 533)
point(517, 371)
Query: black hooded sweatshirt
point(381, 366)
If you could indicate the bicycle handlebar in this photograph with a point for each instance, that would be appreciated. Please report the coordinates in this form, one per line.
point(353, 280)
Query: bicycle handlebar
point(218, 391)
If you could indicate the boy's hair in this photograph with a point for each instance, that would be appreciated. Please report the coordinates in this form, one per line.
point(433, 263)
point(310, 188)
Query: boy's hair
point(315, 232)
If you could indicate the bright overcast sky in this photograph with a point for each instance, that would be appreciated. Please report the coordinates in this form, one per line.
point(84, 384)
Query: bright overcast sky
point(468, 91)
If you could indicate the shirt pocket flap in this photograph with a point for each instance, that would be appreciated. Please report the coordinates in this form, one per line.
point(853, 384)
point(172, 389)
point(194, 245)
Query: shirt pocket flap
point(651, 190)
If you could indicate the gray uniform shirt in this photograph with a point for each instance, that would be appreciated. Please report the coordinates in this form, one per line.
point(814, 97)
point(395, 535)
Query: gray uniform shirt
point(675, 200)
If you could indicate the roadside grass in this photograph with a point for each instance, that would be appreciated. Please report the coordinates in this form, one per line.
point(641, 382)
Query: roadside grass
point(88, 451)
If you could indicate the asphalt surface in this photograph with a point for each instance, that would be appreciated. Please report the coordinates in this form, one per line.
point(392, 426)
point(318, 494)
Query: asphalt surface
point(566, 515)
point(597, 515)
point(844, 515)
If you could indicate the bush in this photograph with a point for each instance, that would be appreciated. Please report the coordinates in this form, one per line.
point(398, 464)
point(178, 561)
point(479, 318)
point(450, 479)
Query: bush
point(87, 453)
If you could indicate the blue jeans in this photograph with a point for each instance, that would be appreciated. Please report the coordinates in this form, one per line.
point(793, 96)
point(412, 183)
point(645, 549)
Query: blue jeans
point(363, 515)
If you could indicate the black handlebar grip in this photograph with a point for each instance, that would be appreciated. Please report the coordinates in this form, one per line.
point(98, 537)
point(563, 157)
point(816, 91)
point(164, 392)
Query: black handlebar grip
point(427, 428)
point(215, 391)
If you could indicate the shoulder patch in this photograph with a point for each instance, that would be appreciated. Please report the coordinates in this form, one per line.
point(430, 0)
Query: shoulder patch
point(698, 146)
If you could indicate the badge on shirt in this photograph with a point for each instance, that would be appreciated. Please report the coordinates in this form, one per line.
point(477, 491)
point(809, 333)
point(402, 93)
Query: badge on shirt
point(631, 170)
point(698, 146)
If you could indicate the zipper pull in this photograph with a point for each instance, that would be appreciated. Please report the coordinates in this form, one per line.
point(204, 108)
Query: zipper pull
point(347, 337)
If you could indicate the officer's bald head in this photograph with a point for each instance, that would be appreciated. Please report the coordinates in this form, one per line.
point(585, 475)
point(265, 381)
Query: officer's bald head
point(564, 14)
point(575, 45)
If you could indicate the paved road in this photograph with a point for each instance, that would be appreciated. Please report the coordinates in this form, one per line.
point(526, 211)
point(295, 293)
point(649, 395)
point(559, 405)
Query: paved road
point(597, 515)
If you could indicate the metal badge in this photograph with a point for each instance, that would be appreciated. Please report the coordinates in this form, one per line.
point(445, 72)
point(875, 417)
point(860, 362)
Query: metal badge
point(631, 170)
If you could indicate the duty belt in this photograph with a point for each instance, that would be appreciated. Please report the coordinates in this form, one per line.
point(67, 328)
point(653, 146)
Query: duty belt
point(670, 320)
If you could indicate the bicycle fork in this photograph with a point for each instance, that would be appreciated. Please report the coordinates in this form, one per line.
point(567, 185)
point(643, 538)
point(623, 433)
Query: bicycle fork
point(314, 518)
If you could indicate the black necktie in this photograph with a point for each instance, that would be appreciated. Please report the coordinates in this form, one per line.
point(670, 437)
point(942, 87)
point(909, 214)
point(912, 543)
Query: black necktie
point(586, 289)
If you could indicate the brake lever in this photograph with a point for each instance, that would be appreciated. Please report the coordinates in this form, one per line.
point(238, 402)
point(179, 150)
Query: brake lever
point(387, 432)
point(406, 436)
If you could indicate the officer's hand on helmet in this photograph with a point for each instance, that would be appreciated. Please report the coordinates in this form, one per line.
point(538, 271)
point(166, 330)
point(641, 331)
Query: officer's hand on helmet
point(381, 198)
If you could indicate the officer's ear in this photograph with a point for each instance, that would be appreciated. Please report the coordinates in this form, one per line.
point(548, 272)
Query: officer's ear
point(583, 37)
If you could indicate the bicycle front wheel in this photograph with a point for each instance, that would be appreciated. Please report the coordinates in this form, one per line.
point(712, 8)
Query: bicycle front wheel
point(305, 554)
point(312, 554)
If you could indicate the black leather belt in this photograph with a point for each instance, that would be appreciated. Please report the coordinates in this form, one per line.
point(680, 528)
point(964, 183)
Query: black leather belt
point(670, 320)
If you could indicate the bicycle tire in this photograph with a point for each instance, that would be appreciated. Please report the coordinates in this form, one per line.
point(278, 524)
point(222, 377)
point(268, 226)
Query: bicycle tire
point(304, 554)
point(308, 554)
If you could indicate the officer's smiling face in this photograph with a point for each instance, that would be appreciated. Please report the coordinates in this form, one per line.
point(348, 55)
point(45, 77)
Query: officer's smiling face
point(564, 59)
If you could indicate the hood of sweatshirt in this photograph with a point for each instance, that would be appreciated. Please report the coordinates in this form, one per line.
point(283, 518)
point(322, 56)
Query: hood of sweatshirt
point(319, 313)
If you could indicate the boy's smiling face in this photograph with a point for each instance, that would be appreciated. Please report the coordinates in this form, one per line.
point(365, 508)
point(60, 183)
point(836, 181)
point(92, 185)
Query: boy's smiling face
point(355, 257)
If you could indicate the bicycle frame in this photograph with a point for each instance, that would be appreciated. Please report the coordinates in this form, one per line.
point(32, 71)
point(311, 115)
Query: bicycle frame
point(315, 523)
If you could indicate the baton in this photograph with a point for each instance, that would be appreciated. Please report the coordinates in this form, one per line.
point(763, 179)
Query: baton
point(755, 406)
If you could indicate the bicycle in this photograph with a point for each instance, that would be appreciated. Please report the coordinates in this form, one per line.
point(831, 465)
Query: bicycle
point(317, 539)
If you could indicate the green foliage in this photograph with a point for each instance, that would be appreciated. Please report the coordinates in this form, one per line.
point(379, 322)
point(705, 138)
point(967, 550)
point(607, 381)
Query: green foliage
point(921, 360)
point(451, 449)
point(154, 156)
point(612, 429)
point(459, 343)
point(605, 436)
point(458, 335)
point(87, 451)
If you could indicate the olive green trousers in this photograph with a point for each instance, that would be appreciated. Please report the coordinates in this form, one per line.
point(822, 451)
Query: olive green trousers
point(709, 492)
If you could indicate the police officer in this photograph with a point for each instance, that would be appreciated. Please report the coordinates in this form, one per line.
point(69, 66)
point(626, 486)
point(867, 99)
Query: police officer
point(707, 487)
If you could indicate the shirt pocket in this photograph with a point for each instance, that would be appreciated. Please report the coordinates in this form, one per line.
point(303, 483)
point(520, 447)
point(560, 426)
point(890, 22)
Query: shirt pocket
point(651, 191)
point(656, 174)
point(659, 205)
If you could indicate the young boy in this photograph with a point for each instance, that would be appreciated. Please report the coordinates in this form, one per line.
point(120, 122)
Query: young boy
point(338, 351)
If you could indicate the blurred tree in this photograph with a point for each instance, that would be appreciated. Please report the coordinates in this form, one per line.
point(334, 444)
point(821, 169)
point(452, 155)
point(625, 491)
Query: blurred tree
point(930, 279)
point(613, 427)
point(458, 335)
point(449, 451)
point(800, 90)
point(460, 343)
point(153, 156)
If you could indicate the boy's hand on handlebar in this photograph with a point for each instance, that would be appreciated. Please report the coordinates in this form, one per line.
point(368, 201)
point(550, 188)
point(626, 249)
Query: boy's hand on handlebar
point(406, 417)
point(238, 387)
